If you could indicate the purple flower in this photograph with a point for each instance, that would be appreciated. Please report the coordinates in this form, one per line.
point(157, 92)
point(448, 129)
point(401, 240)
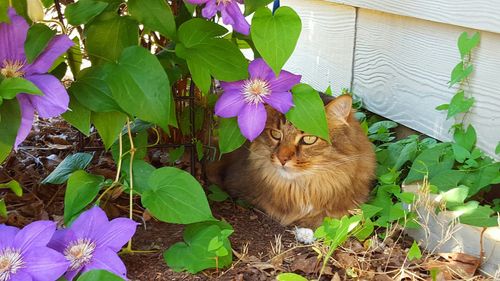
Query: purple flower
point(246, 98)
point(92, 242)
point(24, 254)
point(230, 12)
point(13, 63)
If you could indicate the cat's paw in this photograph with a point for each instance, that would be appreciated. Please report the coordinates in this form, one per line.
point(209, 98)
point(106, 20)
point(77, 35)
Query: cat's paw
point(304, 235)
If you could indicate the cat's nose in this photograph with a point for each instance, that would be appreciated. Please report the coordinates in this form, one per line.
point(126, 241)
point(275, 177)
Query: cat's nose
point(285, 154)
point(284, 158)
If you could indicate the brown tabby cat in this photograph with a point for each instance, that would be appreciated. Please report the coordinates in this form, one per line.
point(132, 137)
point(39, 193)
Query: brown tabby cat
point(298, 178)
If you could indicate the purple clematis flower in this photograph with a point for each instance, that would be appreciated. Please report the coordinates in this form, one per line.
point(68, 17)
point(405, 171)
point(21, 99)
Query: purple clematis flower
point(92, 242)
point(13, 63)
point(24, 255)
point(230, 12)
point(246, 98)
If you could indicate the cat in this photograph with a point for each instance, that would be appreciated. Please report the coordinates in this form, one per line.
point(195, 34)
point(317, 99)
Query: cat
point(297, 178)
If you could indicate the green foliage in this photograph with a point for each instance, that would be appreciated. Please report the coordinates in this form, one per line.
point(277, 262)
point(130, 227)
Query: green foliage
point(414, 252)
point(200, 45)
point(230, 135)
point(81, 190)
point(275, 35)
point(10, 119)
point(206, 246)
point(4, 5)
point(290, 277)
point(175, 196)
point(83, 11)
point(108, 125)
point(308, 114)
point(99, 275)
point(14, 186)
point(3, 209)
point(78, 116)
point(77, 161)
point(154, 14)
point(217, 194)
point(10, 87)
point(459, 104)
point(39, 36)
point(466, 44)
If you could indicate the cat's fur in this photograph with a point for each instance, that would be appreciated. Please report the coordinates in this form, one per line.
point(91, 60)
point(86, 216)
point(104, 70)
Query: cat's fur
point(300, 184)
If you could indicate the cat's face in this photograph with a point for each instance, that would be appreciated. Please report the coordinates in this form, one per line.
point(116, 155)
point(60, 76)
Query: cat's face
point(294, 153)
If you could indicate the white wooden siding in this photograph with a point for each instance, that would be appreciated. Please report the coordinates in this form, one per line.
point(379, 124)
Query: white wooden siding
point(477, 14)
point(325, 49)
point(401, 66)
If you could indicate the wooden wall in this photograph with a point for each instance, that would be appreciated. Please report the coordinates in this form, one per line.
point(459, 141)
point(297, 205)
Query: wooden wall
point(398, 55)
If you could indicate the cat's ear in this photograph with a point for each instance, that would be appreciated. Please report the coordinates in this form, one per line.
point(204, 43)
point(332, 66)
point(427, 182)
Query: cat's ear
point(339, 108)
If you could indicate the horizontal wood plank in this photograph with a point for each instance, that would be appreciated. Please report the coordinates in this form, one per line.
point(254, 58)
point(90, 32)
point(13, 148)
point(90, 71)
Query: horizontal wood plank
point(402, 66)
point(477, 14)
point(325, 49)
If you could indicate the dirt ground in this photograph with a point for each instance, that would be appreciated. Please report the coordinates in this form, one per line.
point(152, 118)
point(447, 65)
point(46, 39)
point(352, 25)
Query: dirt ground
point(262, 248)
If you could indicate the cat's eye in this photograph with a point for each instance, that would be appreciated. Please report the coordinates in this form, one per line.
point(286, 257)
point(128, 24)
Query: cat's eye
point(309, 140)
point(275, 134)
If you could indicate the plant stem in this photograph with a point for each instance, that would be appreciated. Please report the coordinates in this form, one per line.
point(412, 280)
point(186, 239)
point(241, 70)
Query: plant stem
point(120, 152)
point(131, 180)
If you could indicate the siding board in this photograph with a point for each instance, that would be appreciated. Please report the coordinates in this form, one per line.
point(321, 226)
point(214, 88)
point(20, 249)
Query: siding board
point(477, 14)
point(324, 52)
point(402, 66)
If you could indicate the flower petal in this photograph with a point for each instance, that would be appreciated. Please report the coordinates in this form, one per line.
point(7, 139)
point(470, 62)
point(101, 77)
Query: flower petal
point(107, 259)
point(56, 47)
point(252, 120)
point(198, 2)
point(87, 225)
point(280, 101)
point(284, 82)
point(232, 15)
point(27, 115)
point(55, 99)
point(12, 37)
point(232, 86)
point(260, 70)
point(61, 239)
point(8, 234)
point(229, 104)
point(70, 274)
point(210, 10)
point(21, 275)
point(45, 264)
point(35, 234)
point(117, 233)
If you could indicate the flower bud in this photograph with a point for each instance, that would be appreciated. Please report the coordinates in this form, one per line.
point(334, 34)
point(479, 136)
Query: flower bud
point(35, 10)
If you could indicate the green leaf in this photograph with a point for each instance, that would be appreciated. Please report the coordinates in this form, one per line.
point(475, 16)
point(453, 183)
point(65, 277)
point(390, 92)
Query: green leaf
point(10, 87)
point(77, 161)
point(217, 194)
point(459, 73)
point(92, 91)
point(107, 38)
point(460, 153)
point(328, 91)
point(109, 125)
point(466, 44)
point(194, 255)
point(4, 6)
point(207, 55)
point(3, 209)
point(431, 162)
point(252, 5)
point(9, 125)
point(443, 107)
point(446, 179)
point(199, 150)
point(482, 216)
point(154, 14)
point(21, 7)
point(497, 149)
point(99, 275)
point(308, 114)
point(176, 154)
point(14, 186)
point(275, 36)
point(78, 116)
point(414, 252)
point(81, 190)
point(364, 231)
point(459, 104)
point(370, 210)
point(290, 277)
point(75, 57)
point(84, 11)
point(39, 36)
point(142, 171)
point(230, 137)
point(141, 87)
point(175, 196)
point(140, 140)
point(454, 195)
point(466, 139)
point(481, 178)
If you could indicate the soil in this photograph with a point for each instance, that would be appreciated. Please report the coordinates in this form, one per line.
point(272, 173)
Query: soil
point(262, 248)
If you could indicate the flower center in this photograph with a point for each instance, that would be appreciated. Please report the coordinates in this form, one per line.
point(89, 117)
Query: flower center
point(10, 262)
point(224, 2)
point(12, 68)
point(255, 90)
point(79, 253)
